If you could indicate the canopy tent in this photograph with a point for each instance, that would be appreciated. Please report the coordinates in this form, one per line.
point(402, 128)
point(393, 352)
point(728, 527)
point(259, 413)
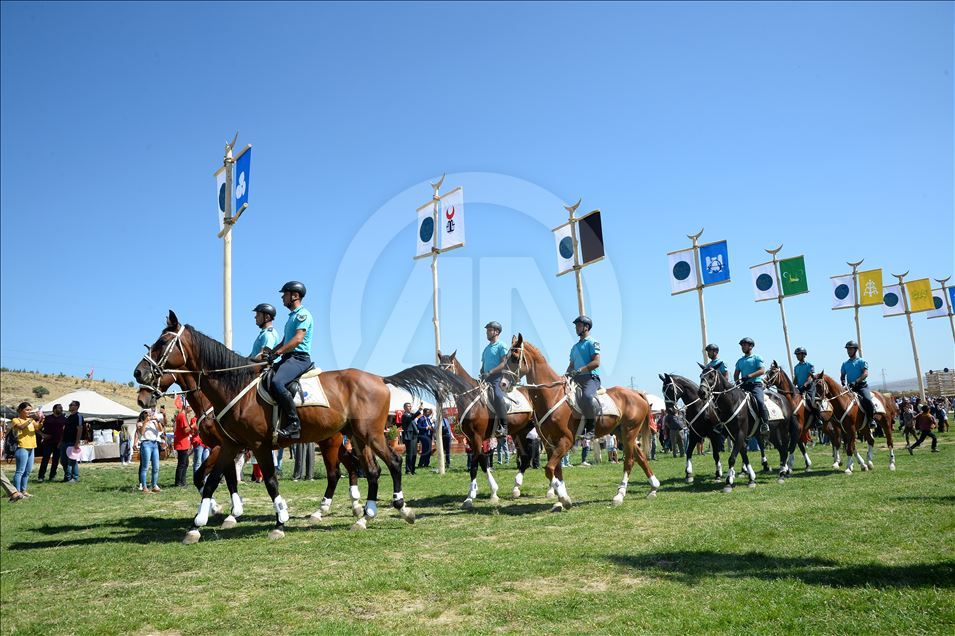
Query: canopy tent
point(93, 406)
point(400, 396)
point(657, 404)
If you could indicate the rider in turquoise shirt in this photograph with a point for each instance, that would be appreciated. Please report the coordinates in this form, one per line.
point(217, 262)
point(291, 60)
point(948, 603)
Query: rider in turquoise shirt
point(749, 370)
point(713, 352)
point(804, 372)
point(855, 375)
point(268, 336)
point(492, 363)
point(295, 349)
point(583, 369)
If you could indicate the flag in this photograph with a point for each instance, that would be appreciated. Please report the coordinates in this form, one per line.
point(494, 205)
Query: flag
point(221, 194)
point(764, 281)
point(920, 295)
point(565, 248)
point(940, 302)
point(451, 217)
point(590, 238)
point(683, 274)
point(89, 376)
point(870, 287)
point(843, 292)
point(951, 298)
point(426, 233)
point(714, 263)
point(792, 276)
point(892, 301)
point(240, 186)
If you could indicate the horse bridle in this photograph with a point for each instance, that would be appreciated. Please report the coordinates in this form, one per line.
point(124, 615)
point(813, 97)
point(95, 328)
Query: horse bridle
point(158, 367)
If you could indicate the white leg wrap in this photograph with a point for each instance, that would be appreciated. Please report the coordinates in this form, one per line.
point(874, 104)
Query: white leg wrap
point(850, 460)
point(731, 476)
point(491, 482)
point(871, 452)
point(237, 507)
point(473, 489)
point(654, 482)
point(353, 492)
point(326, 506)
point(808, 461)
point(281, 509)
point(719, 468)
point(398, 496)
point(371, 509)
point(202, 518)
point(216, 508)
point(561, 490)
point(519, 479)
point(689, 466)
point(752, 473)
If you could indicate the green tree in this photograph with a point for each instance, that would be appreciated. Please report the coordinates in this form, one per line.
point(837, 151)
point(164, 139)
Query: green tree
point(40, 391)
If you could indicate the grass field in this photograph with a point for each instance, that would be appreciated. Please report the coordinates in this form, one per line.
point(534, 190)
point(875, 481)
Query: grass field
point(824, 553)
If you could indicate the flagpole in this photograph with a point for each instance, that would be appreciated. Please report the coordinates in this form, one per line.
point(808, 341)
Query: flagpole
point(947, 301)
point(855, 287)
point(699, 288)
point(782, 307)
point(577, 267)
point(439, 407)
point(227, 162)
point(908, 316)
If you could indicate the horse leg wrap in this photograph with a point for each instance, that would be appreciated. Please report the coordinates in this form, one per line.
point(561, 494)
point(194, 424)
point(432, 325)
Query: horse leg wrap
point(689, 467)
point(202, 518)
point(237, 507)
point(353, 493)
point(654, 482)
point(751, 472)
point(326, 506)
point(519, 479)
point(473, 489)
point(371, 509)
point(216, 508)
point(871, 453)
point(493, 484)
point(562, 493)
point(731, 476)
point(281, 510)
point(398, 500)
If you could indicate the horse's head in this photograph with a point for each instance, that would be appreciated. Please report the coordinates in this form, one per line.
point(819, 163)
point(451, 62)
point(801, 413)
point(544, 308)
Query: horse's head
point(671, 392)
point(515, 364)
point(772, 376)
point(821, 389)
point(447, 363)
point(709, 382)
point(168, 352)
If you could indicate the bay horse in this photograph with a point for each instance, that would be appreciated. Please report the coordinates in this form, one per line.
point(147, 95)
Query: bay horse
point(558, 424)
point(734, 409)
point(358, 405)
point(848, 419)
point(477, 421)
point(701, 418)
point(804, 411)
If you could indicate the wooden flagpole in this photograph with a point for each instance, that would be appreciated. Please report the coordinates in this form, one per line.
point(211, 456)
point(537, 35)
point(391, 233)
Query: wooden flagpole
point(908, 316)
point(782, 307)
point(855, 287)
point(947, 301)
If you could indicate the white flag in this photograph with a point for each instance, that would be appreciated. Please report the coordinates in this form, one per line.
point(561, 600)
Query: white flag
point(941, 305)
point(765, 284)
point(843, 292)
point(684, 275)
point(426, 234)
point(565, 249)
point(451, 218)
point(221, 195)
point(892, 303)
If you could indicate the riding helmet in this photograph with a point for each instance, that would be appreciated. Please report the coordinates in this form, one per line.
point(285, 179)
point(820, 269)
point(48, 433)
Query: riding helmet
point(494, 325)
point(799, 350)
point(293, 286)
point(712, 347)
point(852, 344)
point(266, 308)
point(747, 340)
point(584, 320)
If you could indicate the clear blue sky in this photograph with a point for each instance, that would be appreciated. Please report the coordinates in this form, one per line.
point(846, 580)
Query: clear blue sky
point(826, 127)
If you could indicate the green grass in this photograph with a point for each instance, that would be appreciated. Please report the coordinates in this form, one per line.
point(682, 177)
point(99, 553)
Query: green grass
point(824, 553)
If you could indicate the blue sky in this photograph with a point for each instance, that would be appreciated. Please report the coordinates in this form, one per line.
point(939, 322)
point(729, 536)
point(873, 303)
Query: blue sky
point(825, 127)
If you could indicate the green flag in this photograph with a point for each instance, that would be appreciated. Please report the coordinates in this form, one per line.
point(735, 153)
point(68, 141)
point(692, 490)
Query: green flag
point(792, 276)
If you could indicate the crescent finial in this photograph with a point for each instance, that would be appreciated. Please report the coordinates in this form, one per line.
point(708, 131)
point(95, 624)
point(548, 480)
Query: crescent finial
point(693, 237)
point(775, 251)
point(942, 281)
point(901, 276)
point(856, 264)
point(437, 186)
point(573, 208)
point(231, 144)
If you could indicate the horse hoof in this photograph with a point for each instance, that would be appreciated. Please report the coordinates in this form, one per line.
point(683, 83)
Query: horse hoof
point(689, 479)
point(325, 510)
point(516, 493)
point(407, 514)
point(216, 508)
point(550, 493)
point(781, 480)
point(751, 484)
point(617, 500)
point(652, 494)
point(191, 537)
point(495, 499)
point(565, 501)
point(892, 466)
point(228, 523)
point(836, 465)
point(808, 469)
point(870, 465)
point(557, 507)
point(357, 510)
point(848, 471)
point(468, 504)
point(276, 534)
point(727, 489)
point(315, 518)
point(361, 524)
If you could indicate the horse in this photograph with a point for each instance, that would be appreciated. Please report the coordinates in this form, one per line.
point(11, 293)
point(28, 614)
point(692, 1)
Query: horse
point(804, 412)
point(558, 424)
point(358, 405)
point(701, 418)
point(849, 419)
point(477, 419)
point(736, 414)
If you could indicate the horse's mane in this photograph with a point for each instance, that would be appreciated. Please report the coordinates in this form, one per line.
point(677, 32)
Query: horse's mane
point(212, 354)
point(676, 376)
point(534, 351)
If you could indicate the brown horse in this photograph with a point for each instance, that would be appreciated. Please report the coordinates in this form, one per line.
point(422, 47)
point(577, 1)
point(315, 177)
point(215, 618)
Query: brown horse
point(477, 421)
point(804, 412)
point(358, 405)
point(848, 419)
point(559, 423)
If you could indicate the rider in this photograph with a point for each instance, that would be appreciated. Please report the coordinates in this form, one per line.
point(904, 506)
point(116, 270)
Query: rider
point(268, 336)
point(713, 353)
point(294, 350)
point(750, 370)
point(804, 376)
point(854, 374)
point(584, 362)
point(493, 360)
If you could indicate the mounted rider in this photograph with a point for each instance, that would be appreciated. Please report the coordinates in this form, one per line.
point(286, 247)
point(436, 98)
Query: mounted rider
point(854, 375)
point(804, 375)
point(750, 370)
point(713, 353)
point(493, 361)
point(583, 370)
point(294, 349)
point(268, 336)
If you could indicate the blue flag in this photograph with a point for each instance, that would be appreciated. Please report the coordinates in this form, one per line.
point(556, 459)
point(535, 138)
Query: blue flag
point(714, 263)
point(951, 298)
point(241, 184)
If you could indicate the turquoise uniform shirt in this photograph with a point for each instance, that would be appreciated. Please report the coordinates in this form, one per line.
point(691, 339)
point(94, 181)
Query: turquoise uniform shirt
point(802, 372)
point(853, 368)
point(717, 364)
point(268, 337)
point(749, 364)
point(299, 319)
point(582, 353)
point(493, 353)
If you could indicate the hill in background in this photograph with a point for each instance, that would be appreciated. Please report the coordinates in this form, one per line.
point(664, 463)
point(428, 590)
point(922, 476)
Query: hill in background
point(17, 386)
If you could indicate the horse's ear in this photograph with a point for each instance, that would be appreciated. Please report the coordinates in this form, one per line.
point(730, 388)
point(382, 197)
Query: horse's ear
point(454, 354)
point(701, 366)
point(662, 377)
point(171, 320)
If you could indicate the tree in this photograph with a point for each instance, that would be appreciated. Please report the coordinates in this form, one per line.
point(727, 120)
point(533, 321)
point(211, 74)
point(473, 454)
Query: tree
point(40, 391)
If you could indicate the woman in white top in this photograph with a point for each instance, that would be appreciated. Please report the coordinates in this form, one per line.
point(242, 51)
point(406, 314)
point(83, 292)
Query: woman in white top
point(149, 431)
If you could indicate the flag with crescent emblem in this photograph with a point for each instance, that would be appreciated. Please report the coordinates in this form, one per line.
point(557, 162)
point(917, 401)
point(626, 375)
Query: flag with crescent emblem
point(843, 292)
point(451, 218)
point(940, 302)
point(920, 295)
point(426, 234)
point(765, 284)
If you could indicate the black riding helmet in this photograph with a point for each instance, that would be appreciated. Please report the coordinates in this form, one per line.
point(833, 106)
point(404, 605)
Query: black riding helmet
point(494, 325)
point(799, 350)
point(584, 320)
point(712, 347)
point(748, 341)
point(852, 344)
point(293, 286)
point(266, 308)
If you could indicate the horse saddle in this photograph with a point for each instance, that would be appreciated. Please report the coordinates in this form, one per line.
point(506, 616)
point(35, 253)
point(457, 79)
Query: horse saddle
point(607, 405)
point(876, 402)
point(516, 401)
point(772, 406)
point(306, 389)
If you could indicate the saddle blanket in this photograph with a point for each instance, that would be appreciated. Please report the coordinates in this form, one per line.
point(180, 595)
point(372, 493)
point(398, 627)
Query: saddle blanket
point(516, 402)
point(607, 405)
point(311, 393)
point(879, 407)
point(775, 412)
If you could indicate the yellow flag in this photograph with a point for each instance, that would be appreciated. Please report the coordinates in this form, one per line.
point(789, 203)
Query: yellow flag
point(920, 295)
point(870, 287)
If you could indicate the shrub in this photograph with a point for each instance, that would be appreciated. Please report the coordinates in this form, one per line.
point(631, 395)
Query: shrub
point(40, 391)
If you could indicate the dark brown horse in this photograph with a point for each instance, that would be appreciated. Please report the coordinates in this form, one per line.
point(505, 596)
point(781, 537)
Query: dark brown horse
point(358, 406)
point(848, 419)
point(559, 423)
point(804, 412)
point(477, 420)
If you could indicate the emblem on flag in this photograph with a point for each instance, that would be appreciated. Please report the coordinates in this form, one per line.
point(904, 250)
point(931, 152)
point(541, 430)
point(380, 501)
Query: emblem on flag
point(683, 274)
point(892, 301)
point(843, 293)
point(940, 302)
point(715, 263)
point(870, 287)
point(920, 295)
point(764, 281)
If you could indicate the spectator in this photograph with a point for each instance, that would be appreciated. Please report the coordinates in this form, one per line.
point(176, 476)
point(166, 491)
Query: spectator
point(72, 434)
point(149, 432)
point(446, 438)
point(26, 426)
point(182, 444)
point(200, 452)
point(924, 423)
point(533, 440)
point(14, 494)
point(611, 444)
point(409, 437)
point(304, 456)
point(584, 451)
point(425, 426)
point(127, 434)
point(50, 437)
point(942, 416)
point(503, 450)
point(677, 427)
point(908, 422)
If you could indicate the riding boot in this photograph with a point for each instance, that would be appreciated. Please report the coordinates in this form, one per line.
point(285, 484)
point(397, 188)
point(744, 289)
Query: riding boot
point(763, 426)
point(293, 427)
point(500, 426)
point(590, 423)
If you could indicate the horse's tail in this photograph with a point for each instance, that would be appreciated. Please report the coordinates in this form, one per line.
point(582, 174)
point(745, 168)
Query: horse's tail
point(645, 425)
point(427, 378)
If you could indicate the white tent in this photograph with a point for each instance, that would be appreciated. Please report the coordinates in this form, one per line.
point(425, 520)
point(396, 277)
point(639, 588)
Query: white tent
point(657, 404)
point(400, 396)
point(93, 406)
